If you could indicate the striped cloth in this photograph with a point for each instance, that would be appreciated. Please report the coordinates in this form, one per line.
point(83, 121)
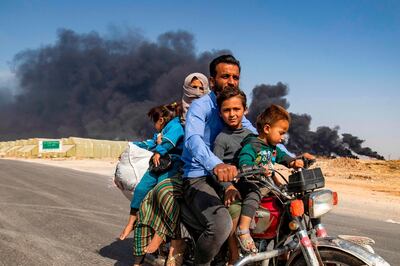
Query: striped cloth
point(159, 213)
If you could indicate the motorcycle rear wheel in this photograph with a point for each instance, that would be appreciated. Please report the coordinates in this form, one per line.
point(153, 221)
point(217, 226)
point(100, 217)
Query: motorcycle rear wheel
point(332, 257)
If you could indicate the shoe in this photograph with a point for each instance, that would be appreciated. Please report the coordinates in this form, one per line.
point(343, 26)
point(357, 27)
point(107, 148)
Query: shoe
point(246, 241)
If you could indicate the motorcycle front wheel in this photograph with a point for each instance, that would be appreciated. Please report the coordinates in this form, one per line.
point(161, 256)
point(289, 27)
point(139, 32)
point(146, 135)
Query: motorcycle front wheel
point(331, 257)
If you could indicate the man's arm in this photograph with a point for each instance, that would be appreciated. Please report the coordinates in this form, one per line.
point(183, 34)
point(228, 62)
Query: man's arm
point(283, 158)
point(284, 149)
point(194, 143)
point(194, 138)
point(247, 124)
point(219, 147)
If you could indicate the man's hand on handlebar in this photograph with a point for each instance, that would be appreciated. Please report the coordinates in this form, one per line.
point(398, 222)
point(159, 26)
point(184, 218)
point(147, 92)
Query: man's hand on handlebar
point(308, 156)
point(231, 194)
point(225, 172)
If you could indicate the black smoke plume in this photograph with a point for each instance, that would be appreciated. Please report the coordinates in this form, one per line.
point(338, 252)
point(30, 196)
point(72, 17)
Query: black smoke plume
point(324, 141)
point(5, 96)
point(328, 142)
point(301, 138)
point(91, 86)
point(87, 85)
point(354, 143)
point(265, 95)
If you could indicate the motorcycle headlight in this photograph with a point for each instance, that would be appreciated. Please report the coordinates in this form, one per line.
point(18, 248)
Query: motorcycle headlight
point(320, 202)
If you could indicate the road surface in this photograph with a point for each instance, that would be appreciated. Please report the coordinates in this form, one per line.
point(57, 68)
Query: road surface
point(58, 216)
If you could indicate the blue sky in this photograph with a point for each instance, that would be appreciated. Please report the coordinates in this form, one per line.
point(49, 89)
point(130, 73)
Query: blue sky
point(341, 59)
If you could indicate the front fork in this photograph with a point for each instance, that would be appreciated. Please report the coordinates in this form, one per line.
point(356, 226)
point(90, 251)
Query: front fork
point(304, 241)
point(320, 230)
point(306, 244)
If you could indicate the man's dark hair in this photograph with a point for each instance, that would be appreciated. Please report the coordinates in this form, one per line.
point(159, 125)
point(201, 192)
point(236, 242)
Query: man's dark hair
point(227, 59)
point(231, 92)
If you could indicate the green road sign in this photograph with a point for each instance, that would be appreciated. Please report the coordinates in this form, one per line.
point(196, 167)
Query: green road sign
point(52, 145)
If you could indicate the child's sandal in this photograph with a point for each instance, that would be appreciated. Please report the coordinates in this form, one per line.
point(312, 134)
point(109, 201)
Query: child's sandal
point(246, 241)
point(175, 260)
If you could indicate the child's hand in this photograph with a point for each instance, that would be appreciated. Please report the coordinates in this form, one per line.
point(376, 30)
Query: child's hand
point(267, 170)
point(156, 159)
point(159, 139)
point(231, 194)
point(297, 164)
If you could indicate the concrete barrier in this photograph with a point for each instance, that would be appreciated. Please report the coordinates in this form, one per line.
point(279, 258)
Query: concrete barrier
point(5, 146)
point(72, 147)
point(12, 151)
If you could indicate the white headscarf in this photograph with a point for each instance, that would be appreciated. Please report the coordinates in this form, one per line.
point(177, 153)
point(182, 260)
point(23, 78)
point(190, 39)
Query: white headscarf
point(190, 94)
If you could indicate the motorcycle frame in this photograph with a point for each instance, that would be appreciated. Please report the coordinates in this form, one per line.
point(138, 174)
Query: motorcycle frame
point(348, 247)
point(297, 248)
point(303, 245)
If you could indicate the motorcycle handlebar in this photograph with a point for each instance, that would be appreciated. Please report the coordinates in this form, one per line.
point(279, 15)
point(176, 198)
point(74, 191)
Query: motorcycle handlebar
point(256, 173)
point(308, 159)
point(249, 171)
point(252, 172)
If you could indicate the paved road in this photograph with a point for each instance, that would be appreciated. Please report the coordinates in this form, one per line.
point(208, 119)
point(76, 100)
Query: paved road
point(56, 216)
point(386, 235)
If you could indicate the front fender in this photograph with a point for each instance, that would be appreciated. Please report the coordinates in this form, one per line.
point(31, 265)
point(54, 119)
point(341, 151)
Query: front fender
point(348, 247)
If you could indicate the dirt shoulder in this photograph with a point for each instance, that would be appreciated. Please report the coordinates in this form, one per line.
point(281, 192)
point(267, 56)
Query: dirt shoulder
point(366, 188)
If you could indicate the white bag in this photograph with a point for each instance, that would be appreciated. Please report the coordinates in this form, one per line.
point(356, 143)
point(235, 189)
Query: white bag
point(131, 167)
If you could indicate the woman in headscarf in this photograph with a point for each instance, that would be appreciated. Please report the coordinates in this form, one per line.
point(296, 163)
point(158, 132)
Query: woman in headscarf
point(194, 86)
point(159, 213)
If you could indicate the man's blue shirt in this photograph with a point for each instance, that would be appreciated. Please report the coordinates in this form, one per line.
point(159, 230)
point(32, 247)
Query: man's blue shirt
point(203, 124)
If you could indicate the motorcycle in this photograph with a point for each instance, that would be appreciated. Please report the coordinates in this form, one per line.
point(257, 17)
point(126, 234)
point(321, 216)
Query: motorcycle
point(287, 228)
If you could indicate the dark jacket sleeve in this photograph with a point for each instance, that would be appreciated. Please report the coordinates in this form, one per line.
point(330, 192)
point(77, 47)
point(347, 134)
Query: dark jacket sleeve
point(247, 155)
point(283, 158)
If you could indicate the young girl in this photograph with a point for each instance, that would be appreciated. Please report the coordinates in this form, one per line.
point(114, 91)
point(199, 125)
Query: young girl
point(159, 215)
point(167, 123)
